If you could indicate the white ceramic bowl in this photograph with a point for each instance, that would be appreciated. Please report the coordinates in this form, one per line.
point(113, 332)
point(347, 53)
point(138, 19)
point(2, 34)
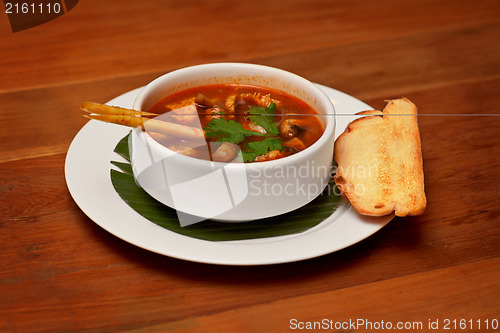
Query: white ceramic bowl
point(200, 189)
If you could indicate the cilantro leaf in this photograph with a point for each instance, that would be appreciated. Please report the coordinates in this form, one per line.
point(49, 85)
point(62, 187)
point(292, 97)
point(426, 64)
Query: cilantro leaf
point(265, 117)
point(228, 131)
point(257, 148)
point(232, 131)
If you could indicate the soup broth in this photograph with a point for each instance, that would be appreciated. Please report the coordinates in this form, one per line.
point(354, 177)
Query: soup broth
point(263, 124)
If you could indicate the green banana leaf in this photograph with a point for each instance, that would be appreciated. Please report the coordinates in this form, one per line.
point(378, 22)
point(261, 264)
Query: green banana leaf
point(294, 222)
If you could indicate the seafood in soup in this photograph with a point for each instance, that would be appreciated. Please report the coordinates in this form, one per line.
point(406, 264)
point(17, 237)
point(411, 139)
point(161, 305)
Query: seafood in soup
point(246, 122)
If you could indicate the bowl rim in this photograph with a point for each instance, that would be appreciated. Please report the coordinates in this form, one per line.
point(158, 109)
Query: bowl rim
point(329, 129)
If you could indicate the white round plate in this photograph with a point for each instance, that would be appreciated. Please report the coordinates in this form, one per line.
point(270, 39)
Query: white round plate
point(87, 171)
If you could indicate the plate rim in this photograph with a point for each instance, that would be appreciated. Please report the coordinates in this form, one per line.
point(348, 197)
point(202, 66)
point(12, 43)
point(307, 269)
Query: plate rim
point(221, 253)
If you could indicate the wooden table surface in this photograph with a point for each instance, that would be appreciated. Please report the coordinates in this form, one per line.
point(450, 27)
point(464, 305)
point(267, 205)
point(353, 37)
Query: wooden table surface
point(62, 272)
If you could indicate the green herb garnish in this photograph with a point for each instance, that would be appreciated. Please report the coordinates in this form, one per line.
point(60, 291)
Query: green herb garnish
point(257, 148)
point(228, 131)
point(232, 131)
point(264, 117)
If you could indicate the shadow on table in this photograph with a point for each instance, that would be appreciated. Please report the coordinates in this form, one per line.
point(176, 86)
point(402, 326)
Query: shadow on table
point(369, 260)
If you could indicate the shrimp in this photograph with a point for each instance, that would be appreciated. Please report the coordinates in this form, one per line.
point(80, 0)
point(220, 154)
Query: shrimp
point(272, 155)
point(289, 128)
point(260, 100)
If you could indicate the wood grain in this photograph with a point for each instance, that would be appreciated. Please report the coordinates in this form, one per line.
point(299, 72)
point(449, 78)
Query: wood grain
point(62, 273)
point(101, 39)
point(327, 311)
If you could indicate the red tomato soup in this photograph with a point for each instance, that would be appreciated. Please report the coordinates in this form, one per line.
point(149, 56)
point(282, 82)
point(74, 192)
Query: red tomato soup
point(240, 122)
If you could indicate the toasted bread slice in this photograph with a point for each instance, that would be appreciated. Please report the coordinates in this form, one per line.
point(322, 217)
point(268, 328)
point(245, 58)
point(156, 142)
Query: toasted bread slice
point(380, 168)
